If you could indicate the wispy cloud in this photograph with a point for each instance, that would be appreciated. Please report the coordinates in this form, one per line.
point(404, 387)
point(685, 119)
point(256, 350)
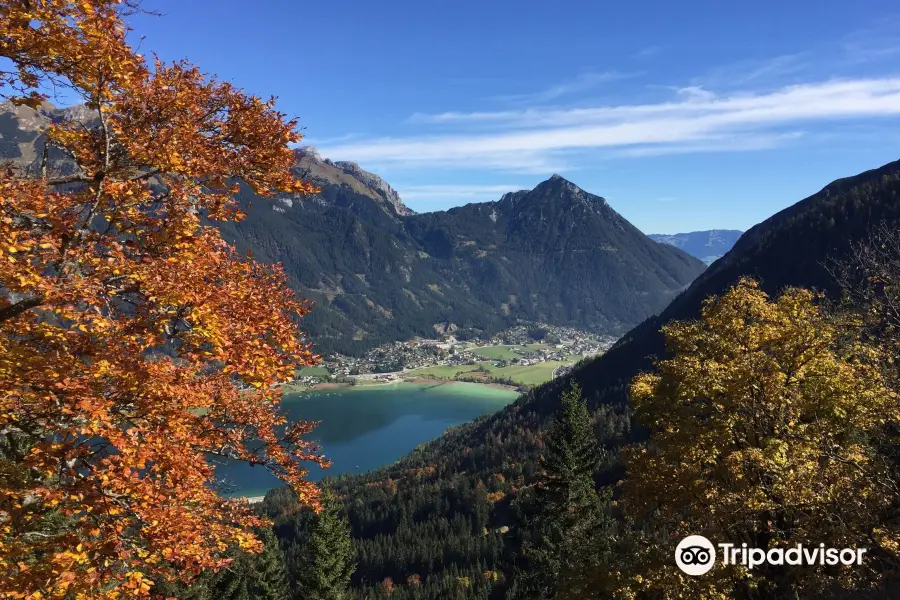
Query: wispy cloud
point(695, 92)
point(695, 120)
point(585, 82)
point(744, 143)
point(455, 192)
point(647, 52)
point(877, 42)
point(770, 70)
point(314, 141)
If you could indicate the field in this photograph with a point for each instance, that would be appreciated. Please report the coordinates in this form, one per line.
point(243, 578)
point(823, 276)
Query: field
point(313, 372)
point(443, 371)
point(529, 375)
point(523, 375)
point(504, 352)
point(364, 382)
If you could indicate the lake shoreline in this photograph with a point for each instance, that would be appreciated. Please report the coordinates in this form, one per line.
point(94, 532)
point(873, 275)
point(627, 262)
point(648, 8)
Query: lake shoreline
point(365, 427)
point(293, 388)
point(497, 386)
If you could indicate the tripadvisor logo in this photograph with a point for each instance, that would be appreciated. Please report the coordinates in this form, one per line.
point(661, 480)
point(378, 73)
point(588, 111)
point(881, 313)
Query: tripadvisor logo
point(696, 555)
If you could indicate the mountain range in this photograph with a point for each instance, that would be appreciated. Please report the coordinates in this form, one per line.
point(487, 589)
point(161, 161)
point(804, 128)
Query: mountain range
point(444, 518)
point(379, 272)
point(554, 254)
point(402, 514)
point(705, 245)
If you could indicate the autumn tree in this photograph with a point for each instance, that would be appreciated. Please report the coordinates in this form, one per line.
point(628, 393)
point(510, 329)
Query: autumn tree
point(870, 281)
point(134, 343)
point(567, 529)
point(763, 422)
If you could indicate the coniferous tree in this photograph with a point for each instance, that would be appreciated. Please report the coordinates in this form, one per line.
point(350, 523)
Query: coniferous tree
point(324, 566)
point(250, 576)
point(254, 576)
point(568, 526)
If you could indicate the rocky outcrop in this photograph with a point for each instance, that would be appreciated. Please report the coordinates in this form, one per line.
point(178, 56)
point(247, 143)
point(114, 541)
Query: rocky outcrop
point(325, 170)
point(377, 183)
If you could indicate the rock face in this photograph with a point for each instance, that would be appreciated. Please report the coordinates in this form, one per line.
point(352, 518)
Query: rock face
point(377, 183)
point(378, 272)
point(705, 245)
point(22, 138)
point(326, 172)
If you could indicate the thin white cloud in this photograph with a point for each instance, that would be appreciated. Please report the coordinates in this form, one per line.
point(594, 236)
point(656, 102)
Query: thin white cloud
point(314, 141)
point(745, 143)
point(878, 42)
point(695, 92)
point(755, 72)
point(647, 52)
point(584, 82)
point(452, 192)
point(538, 139)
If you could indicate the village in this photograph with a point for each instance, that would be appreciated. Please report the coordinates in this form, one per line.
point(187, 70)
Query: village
point(522, 356)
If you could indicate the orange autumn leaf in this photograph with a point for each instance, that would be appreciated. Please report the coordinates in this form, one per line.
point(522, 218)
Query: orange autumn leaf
point(135, 345)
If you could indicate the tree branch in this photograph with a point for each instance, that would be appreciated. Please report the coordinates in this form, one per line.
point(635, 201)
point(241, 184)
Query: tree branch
point(17, 308)
point(68, 179)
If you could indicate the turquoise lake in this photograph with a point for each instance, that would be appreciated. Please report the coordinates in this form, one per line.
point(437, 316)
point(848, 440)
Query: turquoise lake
point(366, 427)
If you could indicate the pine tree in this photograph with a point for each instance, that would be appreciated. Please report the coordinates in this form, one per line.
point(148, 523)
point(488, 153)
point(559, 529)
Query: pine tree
point(568, 526)
point(324, 566)
point(254, 576)
point(249, 577)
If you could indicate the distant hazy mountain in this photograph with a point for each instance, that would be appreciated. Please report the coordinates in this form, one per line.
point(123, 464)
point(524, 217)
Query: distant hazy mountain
point(378, 272)
point(705, 245)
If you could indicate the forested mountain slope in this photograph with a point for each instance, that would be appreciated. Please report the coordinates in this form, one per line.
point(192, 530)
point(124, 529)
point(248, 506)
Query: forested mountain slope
point(378, 272)
point(440, 512)
point(554, 254)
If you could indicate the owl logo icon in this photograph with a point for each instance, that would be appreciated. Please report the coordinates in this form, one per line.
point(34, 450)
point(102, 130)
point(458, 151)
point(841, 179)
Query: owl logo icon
point(695, 555)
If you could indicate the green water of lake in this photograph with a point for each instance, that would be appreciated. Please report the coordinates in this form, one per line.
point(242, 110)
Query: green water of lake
point(364, 428)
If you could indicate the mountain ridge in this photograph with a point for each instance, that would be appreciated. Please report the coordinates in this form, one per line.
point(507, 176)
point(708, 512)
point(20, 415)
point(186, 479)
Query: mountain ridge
point(379, 272)
point(370, 180)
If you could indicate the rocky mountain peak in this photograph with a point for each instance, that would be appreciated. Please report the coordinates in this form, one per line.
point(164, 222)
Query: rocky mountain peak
point(561, 184)
point(309, 151)
point(327, 171)
point(560, 191)
point(377, 183)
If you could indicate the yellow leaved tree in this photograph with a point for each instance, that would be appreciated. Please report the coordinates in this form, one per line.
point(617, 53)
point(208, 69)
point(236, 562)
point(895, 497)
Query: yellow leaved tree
point(762, 429)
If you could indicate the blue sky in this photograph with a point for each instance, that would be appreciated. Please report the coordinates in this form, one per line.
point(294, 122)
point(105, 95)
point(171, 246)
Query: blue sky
point(684, 115)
